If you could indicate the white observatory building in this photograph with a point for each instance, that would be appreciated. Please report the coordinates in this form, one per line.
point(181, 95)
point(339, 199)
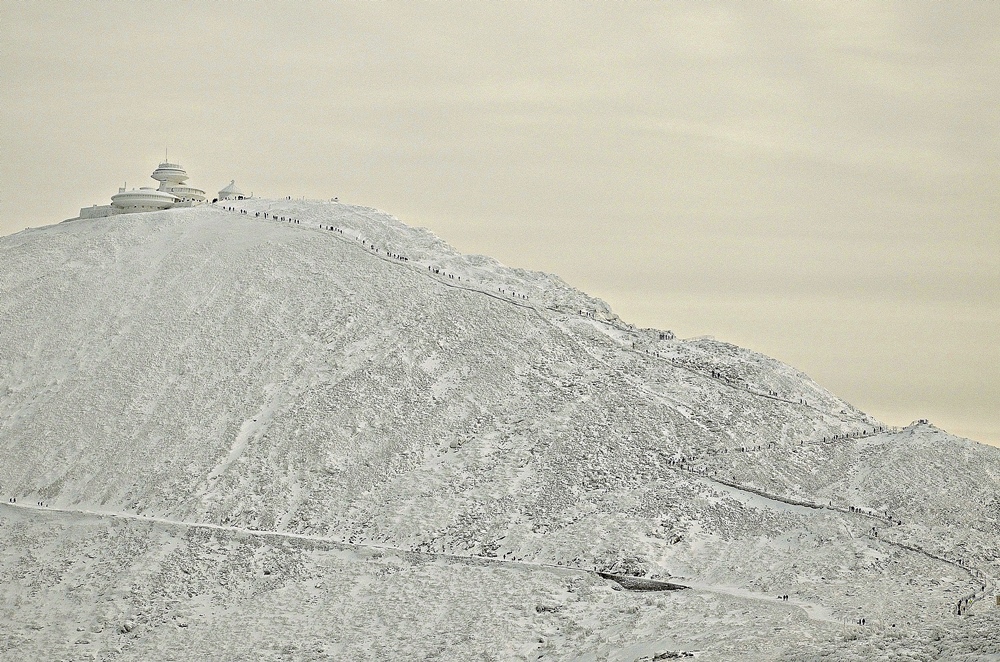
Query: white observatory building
point(146, 198)
point(172, 177)
point(172, 192)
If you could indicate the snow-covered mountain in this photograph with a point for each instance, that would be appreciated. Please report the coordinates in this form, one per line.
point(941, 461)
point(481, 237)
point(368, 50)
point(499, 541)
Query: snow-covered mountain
point(350, 427)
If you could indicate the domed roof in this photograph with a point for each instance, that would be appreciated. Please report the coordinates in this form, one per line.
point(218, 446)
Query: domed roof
point(232, 189)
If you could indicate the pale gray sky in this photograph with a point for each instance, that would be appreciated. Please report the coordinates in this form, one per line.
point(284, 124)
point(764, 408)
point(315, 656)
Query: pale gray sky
point(817, 181)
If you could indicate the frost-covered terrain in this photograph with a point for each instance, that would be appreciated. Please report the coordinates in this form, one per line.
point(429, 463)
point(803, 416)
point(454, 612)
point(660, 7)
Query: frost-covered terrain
point(304, 430)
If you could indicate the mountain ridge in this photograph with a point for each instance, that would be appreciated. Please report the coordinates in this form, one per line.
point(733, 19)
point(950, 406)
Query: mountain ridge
point(327, 371)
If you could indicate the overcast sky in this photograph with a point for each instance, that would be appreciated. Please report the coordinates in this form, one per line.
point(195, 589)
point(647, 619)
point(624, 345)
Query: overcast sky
point(815, 181)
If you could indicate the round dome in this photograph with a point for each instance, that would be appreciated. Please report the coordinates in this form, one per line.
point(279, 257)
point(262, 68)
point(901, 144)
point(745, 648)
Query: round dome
point(231, 191)
point(172, 173)
point(143, 199)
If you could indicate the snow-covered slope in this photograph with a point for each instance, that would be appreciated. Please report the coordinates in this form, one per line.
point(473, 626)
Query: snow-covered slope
point(215, 366)
point(324, 371)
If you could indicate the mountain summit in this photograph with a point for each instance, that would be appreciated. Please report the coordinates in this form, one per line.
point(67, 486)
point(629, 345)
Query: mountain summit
point(314, 419)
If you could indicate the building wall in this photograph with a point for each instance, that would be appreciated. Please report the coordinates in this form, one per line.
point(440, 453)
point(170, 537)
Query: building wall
point(98, 211)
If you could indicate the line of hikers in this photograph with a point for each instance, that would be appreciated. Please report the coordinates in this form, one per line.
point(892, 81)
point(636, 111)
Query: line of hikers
point(366, 244)
point(14, 500)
